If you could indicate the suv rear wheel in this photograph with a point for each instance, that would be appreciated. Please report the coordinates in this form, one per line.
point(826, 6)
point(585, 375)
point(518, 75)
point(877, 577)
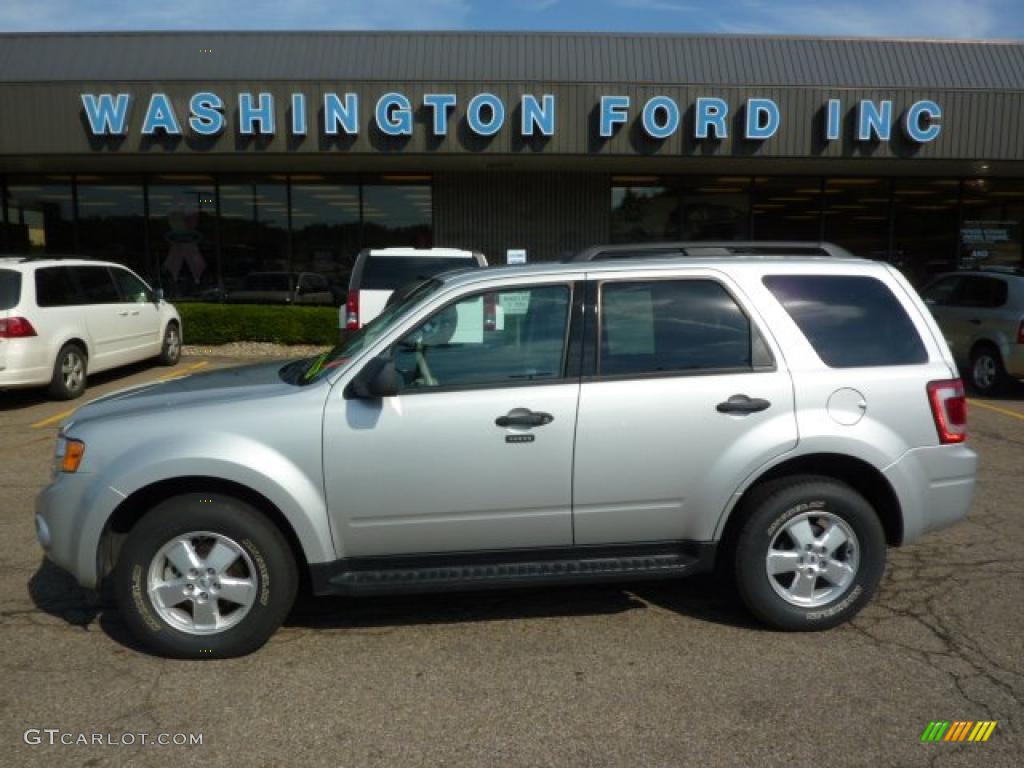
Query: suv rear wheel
point(988, 376)
point(69, 373)
point(810, 555)
point(204, 576)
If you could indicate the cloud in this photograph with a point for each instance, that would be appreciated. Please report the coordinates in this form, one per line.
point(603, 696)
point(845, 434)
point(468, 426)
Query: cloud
point(63, 15)
point(909, 18)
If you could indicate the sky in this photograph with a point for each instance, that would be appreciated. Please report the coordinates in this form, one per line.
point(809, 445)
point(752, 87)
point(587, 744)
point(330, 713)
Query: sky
point(961, 19)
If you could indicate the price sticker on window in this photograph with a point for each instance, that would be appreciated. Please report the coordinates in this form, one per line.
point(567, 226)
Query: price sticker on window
point(515, 303)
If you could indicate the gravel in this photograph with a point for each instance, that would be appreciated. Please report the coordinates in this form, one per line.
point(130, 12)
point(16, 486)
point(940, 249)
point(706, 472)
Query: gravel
point(244, 349)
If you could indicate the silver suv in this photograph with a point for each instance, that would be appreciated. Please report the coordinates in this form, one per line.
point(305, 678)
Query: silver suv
point(784, 418)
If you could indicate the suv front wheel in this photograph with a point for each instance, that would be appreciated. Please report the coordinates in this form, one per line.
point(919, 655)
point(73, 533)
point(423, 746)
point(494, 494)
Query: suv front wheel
point(204, 576)
point(810, 555)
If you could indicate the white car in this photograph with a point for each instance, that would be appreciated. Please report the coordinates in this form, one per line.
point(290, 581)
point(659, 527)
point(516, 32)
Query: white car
point(379, 272)
point(62, 319)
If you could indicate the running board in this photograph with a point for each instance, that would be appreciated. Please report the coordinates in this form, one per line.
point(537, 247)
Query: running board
point(447, 573)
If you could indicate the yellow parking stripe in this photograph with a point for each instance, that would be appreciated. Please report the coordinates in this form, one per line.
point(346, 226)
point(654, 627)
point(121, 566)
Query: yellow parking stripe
point(50, 420)
point(184, 371)
point(1004, 411)
point(53, 419)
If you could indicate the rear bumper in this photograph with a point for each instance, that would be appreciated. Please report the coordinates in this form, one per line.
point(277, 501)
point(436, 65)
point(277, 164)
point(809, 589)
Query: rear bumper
point(1014, 361)
point(935, 486)
point(24, 363)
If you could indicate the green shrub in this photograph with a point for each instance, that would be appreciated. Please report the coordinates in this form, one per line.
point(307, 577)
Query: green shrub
point(223, 323)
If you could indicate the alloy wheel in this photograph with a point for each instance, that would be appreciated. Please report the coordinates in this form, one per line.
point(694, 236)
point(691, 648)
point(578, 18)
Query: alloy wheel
point(984, 372)
point(72, 369)
point(813, 559)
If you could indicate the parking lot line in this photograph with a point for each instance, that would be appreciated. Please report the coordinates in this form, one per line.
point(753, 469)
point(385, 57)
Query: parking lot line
point(53, 419)
point(1004, 411)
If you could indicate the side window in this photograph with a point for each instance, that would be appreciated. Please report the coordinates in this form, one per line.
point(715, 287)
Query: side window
point(490, 339)
point(941, 293)
point(982, 292)
point(672, 325)
point(850, 321)
point(95, 285)
point(133, 290)
point(56, 288)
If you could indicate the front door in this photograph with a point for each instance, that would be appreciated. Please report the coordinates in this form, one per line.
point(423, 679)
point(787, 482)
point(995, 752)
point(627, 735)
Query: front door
point(475, 452)
point(141, 316)
point(684, 403)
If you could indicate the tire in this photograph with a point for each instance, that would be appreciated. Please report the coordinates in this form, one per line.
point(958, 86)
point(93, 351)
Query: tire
point(70, 371)
point(845, 577)
point(987, 374)
point(201, 621)
point(170, 350)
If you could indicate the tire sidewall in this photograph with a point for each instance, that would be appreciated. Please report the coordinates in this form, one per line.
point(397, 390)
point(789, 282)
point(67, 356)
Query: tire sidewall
point(165, 357)
point(770, 516)
point(275, 575)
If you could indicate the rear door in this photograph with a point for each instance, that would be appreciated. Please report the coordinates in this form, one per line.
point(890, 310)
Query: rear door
point(142, 323)
point(684, 399)
point(105, 316)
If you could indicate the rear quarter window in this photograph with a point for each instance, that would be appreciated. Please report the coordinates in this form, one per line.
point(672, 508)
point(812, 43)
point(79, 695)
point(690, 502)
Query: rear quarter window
point(56, 288)
point(851, 321)
point(10, 288)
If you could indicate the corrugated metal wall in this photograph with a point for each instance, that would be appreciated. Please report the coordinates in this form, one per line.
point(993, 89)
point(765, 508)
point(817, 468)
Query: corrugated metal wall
point(549, 215)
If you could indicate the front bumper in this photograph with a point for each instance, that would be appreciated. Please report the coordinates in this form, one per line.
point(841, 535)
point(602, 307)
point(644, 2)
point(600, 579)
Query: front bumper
point(70, 522)
point(935, 486)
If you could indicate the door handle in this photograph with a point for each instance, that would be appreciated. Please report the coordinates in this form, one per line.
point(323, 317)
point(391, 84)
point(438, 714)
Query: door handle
point(524, 417)
point(123, 314)
point(743, 404)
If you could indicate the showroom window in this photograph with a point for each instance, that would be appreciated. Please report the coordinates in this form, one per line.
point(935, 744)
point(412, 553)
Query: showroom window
point(786, 208)
point(254, 241)
point(643, 213)
point(993, 219)
point(715, 208)
point(325, 230)
point(40, 214)
point(183, 235)
point(856, 212)
point(925, 213)
point(397, 214)
point(111, 221)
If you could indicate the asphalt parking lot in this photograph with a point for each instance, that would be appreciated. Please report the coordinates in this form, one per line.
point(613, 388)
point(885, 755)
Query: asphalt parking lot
point(669, 674)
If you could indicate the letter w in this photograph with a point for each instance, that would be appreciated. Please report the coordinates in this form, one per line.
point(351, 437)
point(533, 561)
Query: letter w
point(107, 114)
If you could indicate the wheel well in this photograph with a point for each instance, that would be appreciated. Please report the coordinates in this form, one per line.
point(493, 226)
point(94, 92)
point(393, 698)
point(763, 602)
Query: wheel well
point(859, 475)
point(80, 343)
point(980, 343)
point(131, 510)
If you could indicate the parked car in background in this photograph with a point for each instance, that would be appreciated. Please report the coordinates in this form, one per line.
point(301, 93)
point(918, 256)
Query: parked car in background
point(784, 419)
point(62, 319)
point(380, 271)
point(283, 288)
point(981, 314)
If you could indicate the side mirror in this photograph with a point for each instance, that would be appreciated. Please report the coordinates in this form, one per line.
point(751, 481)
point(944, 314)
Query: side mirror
point(377, 379)
point(158, 295)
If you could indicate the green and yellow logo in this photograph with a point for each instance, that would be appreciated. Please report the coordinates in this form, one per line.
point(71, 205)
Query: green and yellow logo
point(958, 730)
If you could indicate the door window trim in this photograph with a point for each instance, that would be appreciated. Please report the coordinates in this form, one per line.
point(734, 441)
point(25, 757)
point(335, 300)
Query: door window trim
point(567, 375)
point(592, 355)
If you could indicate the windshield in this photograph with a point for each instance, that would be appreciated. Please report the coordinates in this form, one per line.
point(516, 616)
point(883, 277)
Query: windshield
point(329, 361)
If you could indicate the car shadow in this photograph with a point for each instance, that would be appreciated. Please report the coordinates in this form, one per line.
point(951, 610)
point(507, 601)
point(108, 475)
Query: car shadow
point(17, 399)
point(55, 593)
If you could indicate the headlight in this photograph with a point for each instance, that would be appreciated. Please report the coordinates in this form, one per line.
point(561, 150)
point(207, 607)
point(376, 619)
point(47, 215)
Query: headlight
point(68, 455)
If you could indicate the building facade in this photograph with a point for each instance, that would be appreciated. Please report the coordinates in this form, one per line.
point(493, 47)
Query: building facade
point(201, 158)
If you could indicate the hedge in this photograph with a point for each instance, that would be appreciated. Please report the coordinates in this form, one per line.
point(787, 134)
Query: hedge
point(281, 324)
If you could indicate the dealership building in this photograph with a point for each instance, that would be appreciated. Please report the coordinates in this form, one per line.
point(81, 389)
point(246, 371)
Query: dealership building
point(201, 158)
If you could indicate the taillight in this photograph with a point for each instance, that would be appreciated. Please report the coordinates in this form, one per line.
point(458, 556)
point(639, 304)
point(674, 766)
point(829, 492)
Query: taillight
point(352, 311)
point(490, 311)
point(1020, 332)
point(16, 328)
point(949, 409)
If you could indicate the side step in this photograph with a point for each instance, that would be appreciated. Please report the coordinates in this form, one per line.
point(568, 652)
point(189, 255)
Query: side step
point(443, 573)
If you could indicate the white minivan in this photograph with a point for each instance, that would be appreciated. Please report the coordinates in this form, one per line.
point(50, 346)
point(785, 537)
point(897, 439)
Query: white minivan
point(61, 319)
point(379, 272)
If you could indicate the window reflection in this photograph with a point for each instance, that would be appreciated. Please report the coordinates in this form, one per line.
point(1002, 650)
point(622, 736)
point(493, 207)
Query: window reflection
point(715, 208)
point(183, 235)
point(40, 215)
point(643, 214)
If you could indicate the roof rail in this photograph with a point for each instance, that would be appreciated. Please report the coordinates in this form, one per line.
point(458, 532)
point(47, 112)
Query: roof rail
point(706, 248)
